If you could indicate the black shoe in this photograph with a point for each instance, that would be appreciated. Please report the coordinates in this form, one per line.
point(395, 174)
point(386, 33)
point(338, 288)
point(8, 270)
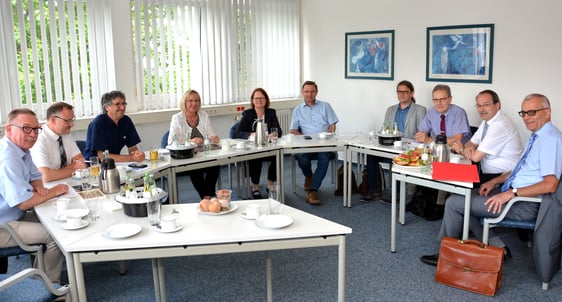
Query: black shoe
point(370, 197)
point(430, 259)
point(506, 253)
point(256, 195)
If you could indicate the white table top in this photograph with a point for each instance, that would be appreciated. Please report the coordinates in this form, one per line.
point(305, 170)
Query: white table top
point(198, 229)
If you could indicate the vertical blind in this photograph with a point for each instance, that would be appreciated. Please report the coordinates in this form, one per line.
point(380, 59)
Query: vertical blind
point(62, 50)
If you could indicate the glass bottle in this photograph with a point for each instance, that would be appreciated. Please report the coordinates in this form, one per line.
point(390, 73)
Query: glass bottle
point(207, 145)
point(146, 192)
point(132, 187)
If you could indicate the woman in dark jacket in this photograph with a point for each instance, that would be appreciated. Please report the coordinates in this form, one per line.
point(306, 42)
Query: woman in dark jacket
point(246, 128)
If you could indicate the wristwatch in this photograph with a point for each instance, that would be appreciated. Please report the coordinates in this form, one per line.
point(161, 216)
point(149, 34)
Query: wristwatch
point(514, 190)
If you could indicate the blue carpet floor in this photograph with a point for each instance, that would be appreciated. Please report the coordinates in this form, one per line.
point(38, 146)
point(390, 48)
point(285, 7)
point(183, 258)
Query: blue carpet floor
point(372, 273)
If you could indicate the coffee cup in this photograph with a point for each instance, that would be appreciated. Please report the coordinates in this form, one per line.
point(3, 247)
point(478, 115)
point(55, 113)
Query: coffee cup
point(61, 204)
point(77, 174)
point(73, 220)
point(398, 144)
point(168, 223)
point(225, 146)
point(253, 211)
point(241, 145)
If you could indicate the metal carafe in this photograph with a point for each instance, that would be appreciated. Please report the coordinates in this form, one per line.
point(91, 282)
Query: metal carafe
point(109, 177)
point(261, 132)
point(441, 150)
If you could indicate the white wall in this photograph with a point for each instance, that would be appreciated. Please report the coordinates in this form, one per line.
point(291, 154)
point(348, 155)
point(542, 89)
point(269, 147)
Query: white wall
point(527, 47)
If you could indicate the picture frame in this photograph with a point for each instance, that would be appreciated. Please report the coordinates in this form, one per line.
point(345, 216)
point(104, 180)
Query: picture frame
point(369, 55)
point(461, 53)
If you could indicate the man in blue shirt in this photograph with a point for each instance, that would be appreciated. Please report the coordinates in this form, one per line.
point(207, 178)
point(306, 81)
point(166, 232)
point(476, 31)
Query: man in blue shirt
point(537, 173)
point(444, 118)
point(313, 116)
point(21, 189)
point(112, 130)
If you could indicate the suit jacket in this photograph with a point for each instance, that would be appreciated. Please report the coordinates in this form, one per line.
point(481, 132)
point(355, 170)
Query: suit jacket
point(414, 117)
point(547, 235)
point(249, 116)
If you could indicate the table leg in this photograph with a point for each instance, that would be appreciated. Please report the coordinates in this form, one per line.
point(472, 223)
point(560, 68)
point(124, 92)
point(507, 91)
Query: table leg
point(71, 270)
point(346, 180)
point(79, 275)
point(172, 187)
point(280, 165)
point(268, 269)
point(465, 228)
point(393, 215)
point(341, 269)
point(402, 202)
point(159, 280)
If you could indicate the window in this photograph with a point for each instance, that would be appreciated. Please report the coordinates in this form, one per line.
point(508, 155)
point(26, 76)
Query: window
point(53, 50)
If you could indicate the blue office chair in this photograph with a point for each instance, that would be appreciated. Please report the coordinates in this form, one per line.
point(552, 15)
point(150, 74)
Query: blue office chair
point(81, 145)
point(19, 284)
point(20, 249)
point(164, 139)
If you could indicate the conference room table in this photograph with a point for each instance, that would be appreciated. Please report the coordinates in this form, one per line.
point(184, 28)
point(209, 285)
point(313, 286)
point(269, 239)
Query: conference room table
point(200, 234)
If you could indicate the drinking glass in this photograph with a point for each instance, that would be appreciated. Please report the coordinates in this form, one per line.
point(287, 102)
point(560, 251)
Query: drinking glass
point(86, 179)
point(274, 201)
point(154, 154)
point(274, 136)
point(94, 207)
point(153, 211)
point(95, 169)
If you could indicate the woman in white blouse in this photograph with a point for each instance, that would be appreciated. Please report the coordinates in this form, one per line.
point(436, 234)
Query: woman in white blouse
point(195, 125)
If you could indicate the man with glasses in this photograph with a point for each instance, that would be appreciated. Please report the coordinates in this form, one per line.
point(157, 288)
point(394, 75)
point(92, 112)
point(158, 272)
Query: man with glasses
point(21, 188)
point(444, 118)
point(407, 115)
point(496, 145)
point(536, 173)
point(55, 153)
point(112, 130)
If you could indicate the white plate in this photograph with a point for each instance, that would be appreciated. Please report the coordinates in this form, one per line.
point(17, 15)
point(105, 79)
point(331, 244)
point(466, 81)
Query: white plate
point(409, 167)
point(75, 227)
point(179, 227)
point(232, 209)
point(274, 221)
point(122, 230)
point(73, 212)
point(243, 215)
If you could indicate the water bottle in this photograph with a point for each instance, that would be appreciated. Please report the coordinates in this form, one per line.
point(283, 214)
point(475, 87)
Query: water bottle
point(207, 145)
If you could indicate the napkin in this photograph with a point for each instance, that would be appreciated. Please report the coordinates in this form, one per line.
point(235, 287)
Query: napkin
point(455, 172)
point(112, 206)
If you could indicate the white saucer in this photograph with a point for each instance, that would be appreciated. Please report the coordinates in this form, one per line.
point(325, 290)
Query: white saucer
point(75, 227)
point(274, 221)
point(243, 215)
point(73, 212)
point(122, 230)
point(178, 227)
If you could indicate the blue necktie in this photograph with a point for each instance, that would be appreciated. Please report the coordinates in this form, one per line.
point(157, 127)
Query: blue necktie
point(484, 131)
point(509, 180)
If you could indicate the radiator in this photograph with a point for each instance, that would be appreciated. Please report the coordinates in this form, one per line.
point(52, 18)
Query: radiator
point(284, 117)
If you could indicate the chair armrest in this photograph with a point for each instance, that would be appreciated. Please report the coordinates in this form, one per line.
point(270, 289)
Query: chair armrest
point(509, 205)
point(30, 272)
point(21, 244)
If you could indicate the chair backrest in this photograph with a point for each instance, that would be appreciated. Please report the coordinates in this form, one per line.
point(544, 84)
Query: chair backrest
point(164, 140)
point(81, 145)
point(233, 129)
point(19, 249)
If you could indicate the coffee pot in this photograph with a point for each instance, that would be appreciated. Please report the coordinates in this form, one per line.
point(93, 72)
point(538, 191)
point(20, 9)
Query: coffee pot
point(109, 176)
point(441, 150)
point(261, 132)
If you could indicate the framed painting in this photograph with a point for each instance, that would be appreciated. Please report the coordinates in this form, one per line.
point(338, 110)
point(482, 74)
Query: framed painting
point(461, 53)
point(369, 55)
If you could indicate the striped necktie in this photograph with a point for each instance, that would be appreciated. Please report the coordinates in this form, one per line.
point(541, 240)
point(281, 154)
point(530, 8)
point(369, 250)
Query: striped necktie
point(507, 184)
point(443, 129)
point(62, 153)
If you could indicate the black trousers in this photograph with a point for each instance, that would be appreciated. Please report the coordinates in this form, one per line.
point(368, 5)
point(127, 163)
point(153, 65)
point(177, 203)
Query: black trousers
point(255, 169)
point(205, 180)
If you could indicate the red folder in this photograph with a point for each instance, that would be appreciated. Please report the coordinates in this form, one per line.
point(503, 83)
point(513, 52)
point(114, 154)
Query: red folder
point(455, 172)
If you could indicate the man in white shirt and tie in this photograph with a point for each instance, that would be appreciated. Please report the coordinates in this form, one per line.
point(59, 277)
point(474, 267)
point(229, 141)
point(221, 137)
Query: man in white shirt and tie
point(496, 145)
point(53, 161)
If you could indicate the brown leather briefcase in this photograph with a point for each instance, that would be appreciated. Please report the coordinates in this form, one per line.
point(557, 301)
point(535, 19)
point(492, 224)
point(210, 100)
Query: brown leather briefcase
point(470, 265)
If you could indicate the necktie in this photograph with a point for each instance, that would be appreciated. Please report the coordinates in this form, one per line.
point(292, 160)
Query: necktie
point(484, 130)
point(509, 180)
point(443, 124)
point(62, 153)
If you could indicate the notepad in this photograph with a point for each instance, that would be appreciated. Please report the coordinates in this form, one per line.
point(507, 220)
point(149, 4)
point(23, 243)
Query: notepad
point(455, 172)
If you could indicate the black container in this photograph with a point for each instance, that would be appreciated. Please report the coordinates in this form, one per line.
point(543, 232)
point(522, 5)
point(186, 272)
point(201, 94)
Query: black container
point(181, 151)
point(136, 207)
point(388, 139)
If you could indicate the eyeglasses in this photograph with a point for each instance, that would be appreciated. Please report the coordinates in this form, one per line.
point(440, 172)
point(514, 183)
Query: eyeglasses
point(72, 120)
point(124, 104)
point(402, 91)
point(484, 105)
point(441, 100)
point(260, 99)
point(530, 112)
point(27, 129)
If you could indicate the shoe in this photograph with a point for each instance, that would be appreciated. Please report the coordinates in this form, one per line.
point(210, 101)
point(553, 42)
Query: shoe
point(430, 259)
point(307, 183)
point(372, 196)
point(506, 253)
point(256, 194)
point(312, 197)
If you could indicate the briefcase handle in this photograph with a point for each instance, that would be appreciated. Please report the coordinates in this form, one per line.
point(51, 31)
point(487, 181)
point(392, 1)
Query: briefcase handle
point(473, 242)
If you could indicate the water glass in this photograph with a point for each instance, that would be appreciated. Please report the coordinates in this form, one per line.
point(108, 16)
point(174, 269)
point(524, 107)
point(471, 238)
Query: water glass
point(86, 181)
point(274, 200)
point(94, 207)
point(153, 211)
point(274, 136)
point(154, 154)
